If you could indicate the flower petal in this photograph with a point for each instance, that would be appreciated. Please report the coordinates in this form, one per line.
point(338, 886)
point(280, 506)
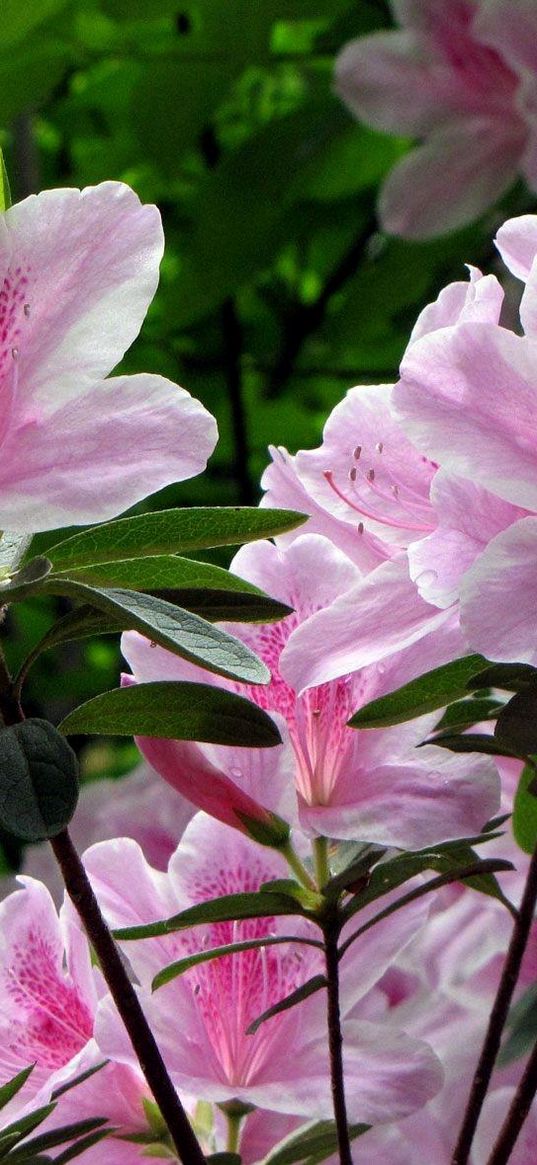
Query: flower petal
point(499, 596)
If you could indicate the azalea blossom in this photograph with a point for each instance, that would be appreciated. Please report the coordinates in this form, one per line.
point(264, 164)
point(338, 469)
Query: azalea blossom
point(201, 1018)
point(460, 77)
point(49, 996)
point(357, 785)
point(79, 270)
point(468, 398)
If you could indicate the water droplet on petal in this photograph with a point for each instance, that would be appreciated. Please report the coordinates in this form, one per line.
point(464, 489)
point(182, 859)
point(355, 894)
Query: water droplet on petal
point(235, 773)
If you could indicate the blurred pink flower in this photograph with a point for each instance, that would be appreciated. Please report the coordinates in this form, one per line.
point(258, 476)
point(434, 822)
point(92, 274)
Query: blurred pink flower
point(461, 77)
point(78, 271)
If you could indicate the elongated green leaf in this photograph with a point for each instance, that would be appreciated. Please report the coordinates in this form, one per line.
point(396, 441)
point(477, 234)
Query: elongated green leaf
point(38, 780)
point(11, 1087)
point(199, 586)
point(24, 1125)
point(311, 1145)
point(26, 581)
point(229, 908)
point(5, 192)
point(465, 713)
point(522, 1027)
point(316, 983)
point(54, 1137)
point(182, 965)
point(172, 627)
point(482, 867)
point(516, 726)
point(473, 742)
point(76, 624)
point(425, 694)
point(511, 677)
point(82, 1145)
point(171, 531)
point(175, 710)
point(525, 810)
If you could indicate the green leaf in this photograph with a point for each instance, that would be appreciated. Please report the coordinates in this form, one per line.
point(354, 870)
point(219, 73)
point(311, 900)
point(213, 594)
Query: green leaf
point(424, 694)
point(175, 710)
point(180, 631)
point(20, 19)
point(464, 713)
point(511, 677)
point(54, 1137)
point(76, 624)
point(228, 908)
point(224, 1159)
point(24, 1125)
point(525, 810)
point(171, 531)
point(25, 581)
point(81, 1146)
point(38, 780)
point(316, 983)
point(522, 1025)
point(11, 1087)
point(5, 192)
point(516, 726)
point(312, 1144)
point(182, 965)
point(199, 586)
point(473, 742)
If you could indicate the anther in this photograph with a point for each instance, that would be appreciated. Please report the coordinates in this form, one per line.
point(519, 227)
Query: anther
point(360, 527)
point(352, 473)
point(370, 475)
point(379, 446)
point(26, 310)
point(15, 353)
point(357, 452)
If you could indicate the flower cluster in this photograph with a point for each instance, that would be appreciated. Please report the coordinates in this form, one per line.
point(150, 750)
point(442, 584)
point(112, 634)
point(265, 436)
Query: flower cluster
point(419, 548)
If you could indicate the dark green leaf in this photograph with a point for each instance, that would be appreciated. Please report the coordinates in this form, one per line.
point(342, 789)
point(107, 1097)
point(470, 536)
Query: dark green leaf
point(516, 726)
point(525, 810)
point(224, 1159)
point(473, 742)
point(522, 1025)
point(11, 1087)
point(54, 1137)
point(175, 710)
point(425, 694)
point(311, 1145)
point(229, 908)
point(24, 1125)
point(171, 531)
point(38, 780)
point(465, 713)
point(316, 983)
point(182, 965)
point(180, 631)
point(82, 1145)
point(511, 677)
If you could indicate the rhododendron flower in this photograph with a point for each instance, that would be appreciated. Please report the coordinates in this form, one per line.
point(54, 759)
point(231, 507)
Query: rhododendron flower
point(78, 271)
point(49, 994)
point(201, 1018)
point(372, 786)
point(461, 77)
point(468, 397)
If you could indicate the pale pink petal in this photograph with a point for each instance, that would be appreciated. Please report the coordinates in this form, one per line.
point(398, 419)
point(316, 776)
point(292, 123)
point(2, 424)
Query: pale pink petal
point(379, 616)
point(121, 440)
point(480, 298)
point(307, 574)
point(517, 243)
point(510, 26)
point(499, 596)
point(287, 487)
point(495, 1109)
point(85, 264)
point(387, 82)
point(468, 517)
point(467, 397)
point(452, 178)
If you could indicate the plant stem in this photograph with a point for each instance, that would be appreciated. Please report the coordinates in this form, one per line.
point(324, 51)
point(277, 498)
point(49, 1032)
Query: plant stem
point(517, 1114)
point(498, 1016)
point(320, 858)
point(335, 1040)
point(297, 866)
point(234, 1121)
point(142, 1039)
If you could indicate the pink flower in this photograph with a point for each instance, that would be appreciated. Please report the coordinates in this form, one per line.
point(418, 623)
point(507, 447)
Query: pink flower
point(461, 78)
point(467, 397)
point(79, 270)
point(201, 1018)
point(371, 786)
point(49, 994)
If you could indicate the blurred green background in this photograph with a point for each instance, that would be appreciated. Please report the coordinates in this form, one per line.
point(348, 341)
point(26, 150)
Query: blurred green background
point(278, 292)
